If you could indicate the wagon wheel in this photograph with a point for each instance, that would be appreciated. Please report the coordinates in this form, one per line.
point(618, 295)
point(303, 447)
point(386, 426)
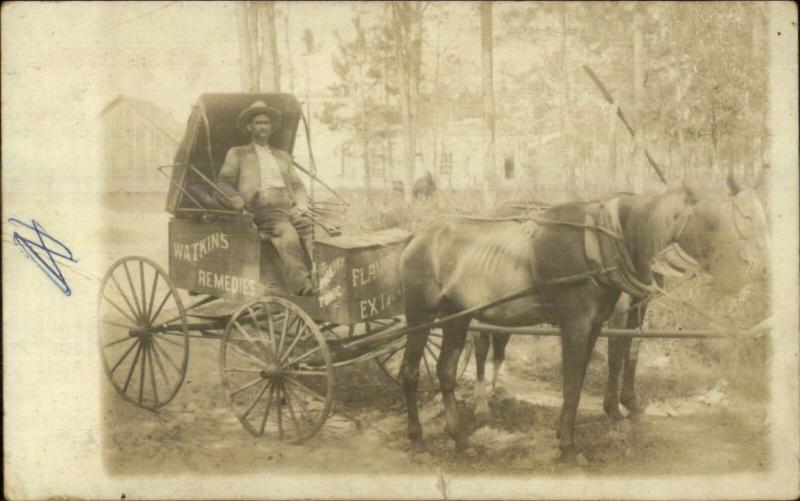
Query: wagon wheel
point(142, 332)
point(277, 370)
point(390, 363)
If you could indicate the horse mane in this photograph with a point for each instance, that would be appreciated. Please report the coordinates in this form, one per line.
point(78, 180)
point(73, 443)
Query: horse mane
point(651, 223)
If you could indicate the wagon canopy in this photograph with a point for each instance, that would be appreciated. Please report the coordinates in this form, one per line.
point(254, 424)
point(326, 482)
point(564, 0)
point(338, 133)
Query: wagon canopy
point(211, 131)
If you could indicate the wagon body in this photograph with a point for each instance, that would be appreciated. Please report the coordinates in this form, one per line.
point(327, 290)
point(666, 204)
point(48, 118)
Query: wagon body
point(358, 274)
point(224, 281)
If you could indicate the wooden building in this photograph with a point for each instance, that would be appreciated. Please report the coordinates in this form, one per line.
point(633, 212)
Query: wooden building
point(138, 137)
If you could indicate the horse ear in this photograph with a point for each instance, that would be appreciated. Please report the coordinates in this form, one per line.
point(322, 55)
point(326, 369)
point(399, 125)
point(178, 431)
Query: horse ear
point(691, 195)
point(733, 185)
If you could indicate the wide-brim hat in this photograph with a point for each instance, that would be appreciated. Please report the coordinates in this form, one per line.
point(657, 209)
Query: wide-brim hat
point(258, 108)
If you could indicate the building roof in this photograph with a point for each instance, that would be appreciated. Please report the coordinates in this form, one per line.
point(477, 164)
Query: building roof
point(151, 112)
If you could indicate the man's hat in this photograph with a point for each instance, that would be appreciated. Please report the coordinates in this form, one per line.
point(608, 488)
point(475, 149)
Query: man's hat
point(259, 108)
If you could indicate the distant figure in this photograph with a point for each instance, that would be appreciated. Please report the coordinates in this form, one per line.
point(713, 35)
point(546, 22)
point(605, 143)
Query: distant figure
point(424, 186)
point(398, 187)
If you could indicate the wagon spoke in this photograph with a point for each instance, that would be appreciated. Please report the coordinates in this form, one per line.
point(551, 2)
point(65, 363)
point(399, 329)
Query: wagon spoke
point(133, 289)
point(303, 407)
point(152, 320)
point(133, 366)
point(144, 295)
point(271, 326)
point(135, 311)
point(141, 372)
point(152, 293)
point(306, 389)
point(303, 356)
point(283, 330)
point(280, 413)
point(152, 373)
point(258, 361)
point(291, 410)
point(256, 323)
point(244, 333)
point(266, 409)
point(116, 324)
point(166, 355)
point(288, 352)
point(306, 373)
point(252, 406)
point(388, 356)
point(118, 341)
point(164, 337)
point(247, 385)
point(428, 370)
point(124, 356)
point(432, 353)
point(154, 352)
point(242, 369)
point(201, 302)
point(112, 303)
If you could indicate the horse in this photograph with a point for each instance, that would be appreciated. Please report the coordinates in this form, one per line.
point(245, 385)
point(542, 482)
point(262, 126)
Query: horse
point(424, 186)
point(459, 263)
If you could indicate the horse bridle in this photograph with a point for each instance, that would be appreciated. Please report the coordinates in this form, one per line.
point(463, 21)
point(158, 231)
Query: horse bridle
point(737, 214)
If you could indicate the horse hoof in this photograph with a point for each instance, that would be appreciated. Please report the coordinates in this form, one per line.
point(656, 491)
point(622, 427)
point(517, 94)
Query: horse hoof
point(501, 391)
point(632, 408)
point(614, 414)
point(461, 441)
point(568, 457)
point(418, 447)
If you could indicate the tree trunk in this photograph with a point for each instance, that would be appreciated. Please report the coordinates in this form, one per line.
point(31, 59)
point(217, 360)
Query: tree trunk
point(308, 43)
point(612, 144)
point(245, 48)
point(288, 45)
point(638, 98)
point(407, 23)
point(567, 156)
point(270, 64)
point(489, 191)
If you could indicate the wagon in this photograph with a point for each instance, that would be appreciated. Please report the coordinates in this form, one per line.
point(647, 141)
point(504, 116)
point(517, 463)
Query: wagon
point(224, 282)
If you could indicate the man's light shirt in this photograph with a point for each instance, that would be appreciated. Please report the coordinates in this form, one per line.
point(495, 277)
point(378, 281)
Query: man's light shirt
point(270, 172)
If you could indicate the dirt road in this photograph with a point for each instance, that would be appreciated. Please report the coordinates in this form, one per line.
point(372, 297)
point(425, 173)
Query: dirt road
point(197, 432)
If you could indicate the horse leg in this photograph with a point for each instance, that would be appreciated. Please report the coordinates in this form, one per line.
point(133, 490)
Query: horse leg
point(454, 334)
point(481, 351)
point(499, 343)
point(415, 346)
point(616, 354)
point(577, 342)
point(631, 357)
point(628, 397)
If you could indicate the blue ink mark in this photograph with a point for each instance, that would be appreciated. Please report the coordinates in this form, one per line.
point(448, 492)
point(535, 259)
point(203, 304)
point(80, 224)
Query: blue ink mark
point(46, 262)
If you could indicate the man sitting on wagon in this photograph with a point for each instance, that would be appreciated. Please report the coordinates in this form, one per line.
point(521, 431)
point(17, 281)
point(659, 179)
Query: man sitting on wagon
point(261, 179)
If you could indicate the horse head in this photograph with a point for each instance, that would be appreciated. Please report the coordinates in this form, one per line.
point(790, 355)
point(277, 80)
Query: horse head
point(727, 234)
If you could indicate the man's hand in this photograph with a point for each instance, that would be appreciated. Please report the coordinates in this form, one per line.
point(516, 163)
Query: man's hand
point(237, 203)
point(301, 209)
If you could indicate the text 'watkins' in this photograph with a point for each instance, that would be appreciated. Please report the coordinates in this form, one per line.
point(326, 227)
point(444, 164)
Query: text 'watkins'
point(195, 251)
